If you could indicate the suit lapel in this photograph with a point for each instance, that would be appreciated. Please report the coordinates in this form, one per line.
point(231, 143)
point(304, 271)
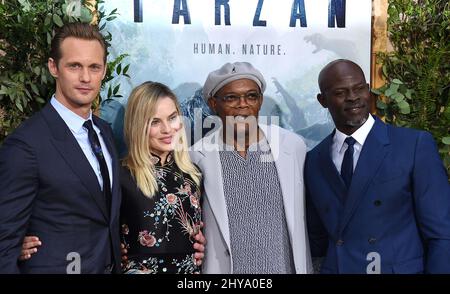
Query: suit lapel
point(330, 172)
point(370, 160)
point(214, 185)
point(285, 169)
point(70, 150)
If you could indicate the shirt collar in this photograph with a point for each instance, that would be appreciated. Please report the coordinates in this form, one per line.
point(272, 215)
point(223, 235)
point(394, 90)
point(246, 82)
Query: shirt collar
point(360, 135)
point(262, 144)
point(72, 120)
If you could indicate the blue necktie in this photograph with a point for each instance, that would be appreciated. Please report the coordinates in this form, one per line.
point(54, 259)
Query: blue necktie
point(97, 149)
point(347, 162)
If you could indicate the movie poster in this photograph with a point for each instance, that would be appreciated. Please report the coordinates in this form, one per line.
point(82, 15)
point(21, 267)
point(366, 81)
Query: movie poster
point(178, 42)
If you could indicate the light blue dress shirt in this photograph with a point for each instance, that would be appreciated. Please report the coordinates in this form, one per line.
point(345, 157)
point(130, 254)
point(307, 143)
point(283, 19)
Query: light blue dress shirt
point(75, 124)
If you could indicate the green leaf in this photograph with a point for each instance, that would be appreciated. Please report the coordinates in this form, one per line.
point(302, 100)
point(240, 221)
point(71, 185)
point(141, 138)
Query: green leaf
point(37, 70)
point(404, 107)
point(125, 70)
point(394, 87)
point(381, 105)
point(408, 94)
point(19, 106)
point(116, 89)
point(391, 90)
point(66, 11)
point(384, 68)
point(86, 15)
point(44, 79)
point(446, 112)
point(48, 19)
point(49, 38)
point(21, 76)
point(119, 69)
point(446, 140)
point(375, 91)
point(25, 102)
point(57, 20)
point(40, 100)
point(26, 6)
point(397, 81)
point(109, 91)
point(398, 97)
point(35, 89)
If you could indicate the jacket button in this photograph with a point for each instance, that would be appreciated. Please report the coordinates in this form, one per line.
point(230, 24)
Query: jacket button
point(339, 242)
point(377, 202)
point(372, 240)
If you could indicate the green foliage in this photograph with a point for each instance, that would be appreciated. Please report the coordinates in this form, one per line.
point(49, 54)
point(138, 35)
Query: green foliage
point(418, 70)
point(26, 30)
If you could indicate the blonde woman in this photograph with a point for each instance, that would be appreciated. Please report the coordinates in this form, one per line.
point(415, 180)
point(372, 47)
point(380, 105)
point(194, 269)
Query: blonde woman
point(160, 211)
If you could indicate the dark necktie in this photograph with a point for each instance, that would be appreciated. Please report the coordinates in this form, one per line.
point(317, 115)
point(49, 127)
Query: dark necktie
point(347, 162)
point(97, 149)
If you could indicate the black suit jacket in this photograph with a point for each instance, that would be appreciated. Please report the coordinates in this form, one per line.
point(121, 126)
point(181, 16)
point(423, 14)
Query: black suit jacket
point(48, 189)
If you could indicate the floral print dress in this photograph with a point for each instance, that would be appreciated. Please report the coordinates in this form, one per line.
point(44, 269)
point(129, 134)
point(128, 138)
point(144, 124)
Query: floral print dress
point(159, 231)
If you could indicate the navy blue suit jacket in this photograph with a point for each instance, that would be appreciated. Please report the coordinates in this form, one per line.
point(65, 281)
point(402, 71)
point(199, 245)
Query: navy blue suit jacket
point(49, 189)
point(397, 207)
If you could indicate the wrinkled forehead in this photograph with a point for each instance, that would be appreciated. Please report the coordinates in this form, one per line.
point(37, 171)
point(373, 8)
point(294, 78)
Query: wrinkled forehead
point(241, 85)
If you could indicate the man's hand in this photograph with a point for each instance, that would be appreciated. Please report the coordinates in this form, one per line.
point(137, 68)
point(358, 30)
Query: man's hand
point(123, 253)
point(29, 246)
point(199, 246)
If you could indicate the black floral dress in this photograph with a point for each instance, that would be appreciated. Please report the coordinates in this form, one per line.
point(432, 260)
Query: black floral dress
point(159, 231)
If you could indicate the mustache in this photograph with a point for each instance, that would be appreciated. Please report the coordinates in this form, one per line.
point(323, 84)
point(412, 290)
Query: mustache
point(354, 105)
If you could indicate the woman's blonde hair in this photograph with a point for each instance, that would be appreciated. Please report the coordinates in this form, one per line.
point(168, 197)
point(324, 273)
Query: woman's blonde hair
point(140, 110)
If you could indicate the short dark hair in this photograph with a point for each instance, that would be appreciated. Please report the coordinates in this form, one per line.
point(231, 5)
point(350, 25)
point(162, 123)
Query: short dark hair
point(77, 30)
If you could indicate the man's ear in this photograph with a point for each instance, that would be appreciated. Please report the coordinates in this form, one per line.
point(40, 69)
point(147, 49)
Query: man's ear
point(104, 72)
point(52, 67)
point(322, 100)
point(212, 103)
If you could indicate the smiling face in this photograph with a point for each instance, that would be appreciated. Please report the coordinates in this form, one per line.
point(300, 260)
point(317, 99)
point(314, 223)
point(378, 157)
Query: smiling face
point(239, 115)
point(79, 73)
point(164, 127)
point(346, 94)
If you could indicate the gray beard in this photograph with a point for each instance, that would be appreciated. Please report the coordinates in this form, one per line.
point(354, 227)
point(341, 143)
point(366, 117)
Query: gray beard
point(357, 123)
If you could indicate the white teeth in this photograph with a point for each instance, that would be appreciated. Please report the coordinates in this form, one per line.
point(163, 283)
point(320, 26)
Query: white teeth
point(239, 118)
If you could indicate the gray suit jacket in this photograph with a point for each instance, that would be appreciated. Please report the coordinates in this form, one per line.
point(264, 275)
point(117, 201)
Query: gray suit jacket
point(288, 150)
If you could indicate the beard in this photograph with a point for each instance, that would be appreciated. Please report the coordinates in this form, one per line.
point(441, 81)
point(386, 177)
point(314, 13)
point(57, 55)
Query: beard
point(357, 122)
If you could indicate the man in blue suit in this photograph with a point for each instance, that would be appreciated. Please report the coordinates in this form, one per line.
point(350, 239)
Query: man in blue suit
point(59, 170)
point(378, 197)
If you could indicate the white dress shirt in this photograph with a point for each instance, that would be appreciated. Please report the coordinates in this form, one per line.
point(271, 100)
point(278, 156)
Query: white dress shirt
point(339, 147)
point(75, 124)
